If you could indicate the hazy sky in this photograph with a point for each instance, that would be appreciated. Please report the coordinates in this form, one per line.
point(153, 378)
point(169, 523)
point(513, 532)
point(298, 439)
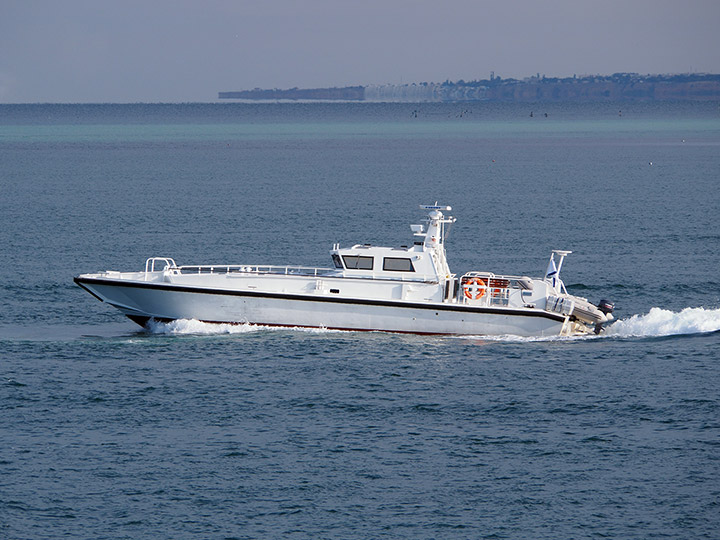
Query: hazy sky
point(182, 50)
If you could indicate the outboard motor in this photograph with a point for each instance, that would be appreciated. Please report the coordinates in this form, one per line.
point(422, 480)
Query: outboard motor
point(606, 307)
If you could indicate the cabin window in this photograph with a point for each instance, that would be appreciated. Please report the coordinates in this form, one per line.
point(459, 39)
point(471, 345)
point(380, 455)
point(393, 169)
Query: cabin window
point(397, 264)
point(336, 260)
point(356, 262)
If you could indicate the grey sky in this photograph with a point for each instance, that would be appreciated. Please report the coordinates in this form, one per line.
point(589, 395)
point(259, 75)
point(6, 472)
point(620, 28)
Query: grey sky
point(182, 50)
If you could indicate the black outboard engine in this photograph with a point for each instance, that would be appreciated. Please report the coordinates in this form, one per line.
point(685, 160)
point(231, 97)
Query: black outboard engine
point(607, 308)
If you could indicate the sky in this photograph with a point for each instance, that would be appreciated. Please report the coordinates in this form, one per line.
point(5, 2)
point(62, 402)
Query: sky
point(102, 51)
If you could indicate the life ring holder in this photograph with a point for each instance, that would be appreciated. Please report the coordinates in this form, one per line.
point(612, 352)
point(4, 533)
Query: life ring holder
point(479, 286)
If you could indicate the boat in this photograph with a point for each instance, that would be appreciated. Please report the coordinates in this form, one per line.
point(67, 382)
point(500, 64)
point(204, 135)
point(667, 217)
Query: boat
point(407, 289)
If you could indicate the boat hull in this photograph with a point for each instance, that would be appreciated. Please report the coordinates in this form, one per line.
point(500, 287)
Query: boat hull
point(142, 301)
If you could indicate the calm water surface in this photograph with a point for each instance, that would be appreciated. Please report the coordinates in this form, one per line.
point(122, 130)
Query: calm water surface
point(192, 431)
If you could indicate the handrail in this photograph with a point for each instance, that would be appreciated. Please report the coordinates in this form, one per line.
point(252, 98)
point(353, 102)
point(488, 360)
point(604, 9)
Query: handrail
point(491, 275)
point(256, 269)
point(301, 271)
point(150, 264)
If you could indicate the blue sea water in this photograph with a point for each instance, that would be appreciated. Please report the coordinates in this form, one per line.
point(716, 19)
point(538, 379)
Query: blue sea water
point(186, 430)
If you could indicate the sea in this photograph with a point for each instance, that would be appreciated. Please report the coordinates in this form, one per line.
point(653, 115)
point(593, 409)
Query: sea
point(193, 431)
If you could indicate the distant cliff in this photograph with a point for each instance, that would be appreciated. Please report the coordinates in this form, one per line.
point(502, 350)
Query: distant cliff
point(617, 87)
point(348, 93)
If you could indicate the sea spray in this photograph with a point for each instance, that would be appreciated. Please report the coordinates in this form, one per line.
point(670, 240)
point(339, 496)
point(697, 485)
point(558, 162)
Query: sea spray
point(195, 327)
point(198, 328)
point(662, 322)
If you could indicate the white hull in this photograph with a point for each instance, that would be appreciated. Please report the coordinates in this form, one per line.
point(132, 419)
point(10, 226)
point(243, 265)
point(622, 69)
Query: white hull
point(143, 301)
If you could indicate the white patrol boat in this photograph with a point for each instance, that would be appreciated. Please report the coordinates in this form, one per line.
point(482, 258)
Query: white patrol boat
point(405, 289)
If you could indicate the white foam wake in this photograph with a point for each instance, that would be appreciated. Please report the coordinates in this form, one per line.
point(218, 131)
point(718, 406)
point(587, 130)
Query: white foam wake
point(198, 328)
point(195, 327)
point(662, 322)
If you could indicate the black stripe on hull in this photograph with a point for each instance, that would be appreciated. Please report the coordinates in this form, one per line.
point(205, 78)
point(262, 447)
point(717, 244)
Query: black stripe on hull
point(83, 282)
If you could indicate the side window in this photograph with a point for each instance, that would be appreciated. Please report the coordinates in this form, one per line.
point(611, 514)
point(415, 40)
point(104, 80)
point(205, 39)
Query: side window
point(357, 262)
point(336, 260)
point(397, 264)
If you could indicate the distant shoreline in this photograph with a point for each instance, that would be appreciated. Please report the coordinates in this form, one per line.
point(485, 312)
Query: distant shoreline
point(592, 88)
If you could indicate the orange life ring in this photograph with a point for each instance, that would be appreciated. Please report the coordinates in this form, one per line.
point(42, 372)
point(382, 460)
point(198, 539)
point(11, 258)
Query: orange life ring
point(479, 285)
